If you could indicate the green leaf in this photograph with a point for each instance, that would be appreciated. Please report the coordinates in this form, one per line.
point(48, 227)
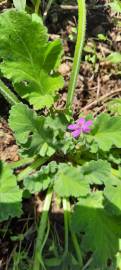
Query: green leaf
point(10, 194)
point(68, 182)
point(37, 182)
point(118, 260)
point(114, 106)
point(35, 133)
point(115, 156)
point(113, 199)
point(32, 93)
point(114, 58)
point(29, 59)
point(101, 231)
point(115, 5)
point(106, 132)
point(98, 172)
point(19, 4)
point(41, 179)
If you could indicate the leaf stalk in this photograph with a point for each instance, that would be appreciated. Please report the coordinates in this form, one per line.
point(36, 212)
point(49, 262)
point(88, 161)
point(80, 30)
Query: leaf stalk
point(41, 230)
point(8, 94)
point(74, 239)
point(37, 5)
point(65, 208)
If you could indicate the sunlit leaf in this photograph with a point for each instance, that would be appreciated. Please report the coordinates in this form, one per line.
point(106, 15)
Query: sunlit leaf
point(10, 194)
point(68, 182)
point(36, 134)
point(29, 59)
point(98, 172)
point(106, 132)
point(41, 179)
point(101, 231)
point(19, 4)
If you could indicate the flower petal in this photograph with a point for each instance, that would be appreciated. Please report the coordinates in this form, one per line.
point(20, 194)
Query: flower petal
point(86, 126)
point(81, 121)
point(73, 126)
point(76, 133)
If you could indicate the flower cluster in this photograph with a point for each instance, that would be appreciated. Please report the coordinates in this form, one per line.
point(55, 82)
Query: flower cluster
point(80, 126)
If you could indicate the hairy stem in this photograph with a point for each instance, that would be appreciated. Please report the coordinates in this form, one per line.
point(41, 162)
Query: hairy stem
point(78, 51)
point(47, 9)
point(41, 230)
point(20, 163)
point(65, 208)
point(75, 240)
point(37, 5)
point(8, 94)
point(36, 164)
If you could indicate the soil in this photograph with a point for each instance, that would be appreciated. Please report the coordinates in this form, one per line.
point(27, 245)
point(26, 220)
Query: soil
point(97, 82)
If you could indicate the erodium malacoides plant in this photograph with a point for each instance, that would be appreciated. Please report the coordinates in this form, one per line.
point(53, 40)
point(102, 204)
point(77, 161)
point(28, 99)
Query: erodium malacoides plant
point(78, 161)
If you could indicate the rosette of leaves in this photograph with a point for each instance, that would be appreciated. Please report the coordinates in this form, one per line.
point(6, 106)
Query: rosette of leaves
point(28, 59)
point(37, 135)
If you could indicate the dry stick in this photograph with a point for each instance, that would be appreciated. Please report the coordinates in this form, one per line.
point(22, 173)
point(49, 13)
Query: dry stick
point(106, 96)
point(69, 7)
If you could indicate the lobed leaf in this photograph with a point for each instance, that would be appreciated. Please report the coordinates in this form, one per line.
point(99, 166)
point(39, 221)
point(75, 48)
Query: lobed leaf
point(36, 134)
point(41, 179)
point(106, 133)
point(101, 231)
point(98, 172)
point(113, 200)
point(68, 182)
point(28, 59)
point(10, 194)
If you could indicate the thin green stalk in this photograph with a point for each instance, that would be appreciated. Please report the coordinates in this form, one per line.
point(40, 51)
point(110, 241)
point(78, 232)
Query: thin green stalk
point(41, 230)
point(78, 51)
point(8, 94)
point(36, 164)
point(65, 208)
point(47, 9)
point(75, 240)
point(20, 163)
point(37, 5)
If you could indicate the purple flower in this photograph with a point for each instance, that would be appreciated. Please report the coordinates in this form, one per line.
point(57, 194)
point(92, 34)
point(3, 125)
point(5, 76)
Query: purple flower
point(81, 126)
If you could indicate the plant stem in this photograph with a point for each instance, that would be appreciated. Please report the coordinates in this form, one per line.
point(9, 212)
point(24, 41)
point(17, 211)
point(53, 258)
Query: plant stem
point(20, 163)
point(37, 163)
point(74, 240)
point(65, 208)
point(41, 230)
point(78, 51)
point(47, 9)
point(37, 5)
point(8, 94)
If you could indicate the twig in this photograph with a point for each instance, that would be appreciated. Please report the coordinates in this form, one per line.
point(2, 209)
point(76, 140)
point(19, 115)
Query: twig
point(69, 7)
point(106, 96)
point(98, 110)
point(98, 89)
